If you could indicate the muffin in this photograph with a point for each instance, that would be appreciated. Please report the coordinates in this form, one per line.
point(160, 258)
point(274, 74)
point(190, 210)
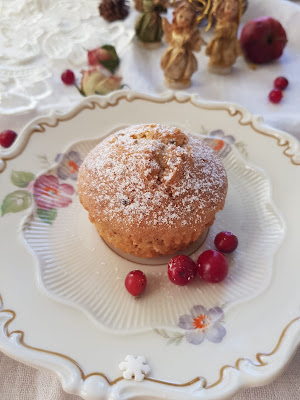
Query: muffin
point(152, 189)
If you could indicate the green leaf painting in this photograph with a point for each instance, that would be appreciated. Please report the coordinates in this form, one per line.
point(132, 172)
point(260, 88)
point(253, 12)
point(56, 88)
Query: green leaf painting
point(16, 201)
point(21, 178)
point(47, 216)
point(173, 337)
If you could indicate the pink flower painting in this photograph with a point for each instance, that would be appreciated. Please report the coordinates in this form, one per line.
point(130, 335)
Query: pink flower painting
point(49, 193)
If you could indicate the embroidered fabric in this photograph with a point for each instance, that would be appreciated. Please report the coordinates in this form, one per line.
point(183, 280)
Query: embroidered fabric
point(41, 38)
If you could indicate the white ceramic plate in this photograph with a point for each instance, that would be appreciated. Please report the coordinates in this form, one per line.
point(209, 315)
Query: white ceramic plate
point(65, 306)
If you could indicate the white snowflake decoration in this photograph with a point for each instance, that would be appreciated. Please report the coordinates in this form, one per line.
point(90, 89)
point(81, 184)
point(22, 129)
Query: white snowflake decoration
point(136, 367)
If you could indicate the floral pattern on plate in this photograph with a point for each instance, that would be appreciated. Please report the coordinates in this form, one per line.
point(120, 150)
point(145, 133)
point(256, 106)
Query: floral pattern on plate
point(222, 143)
point(69, 164)
point(201, 324)
point(46, 191)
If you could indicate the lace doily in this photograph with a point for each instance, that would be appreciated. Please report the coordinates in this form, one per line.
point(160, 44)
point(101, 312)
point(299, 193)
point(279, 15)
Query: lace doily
point(41, 38)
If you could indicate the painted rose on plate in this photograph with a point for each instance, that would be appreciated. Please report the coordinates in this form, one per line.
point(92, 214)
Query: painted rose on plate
point(49, 193)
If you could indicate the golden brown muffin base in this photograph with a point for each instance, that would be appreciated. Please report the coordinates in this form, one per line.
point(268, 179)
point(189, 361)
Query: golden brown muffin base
point(149, 247)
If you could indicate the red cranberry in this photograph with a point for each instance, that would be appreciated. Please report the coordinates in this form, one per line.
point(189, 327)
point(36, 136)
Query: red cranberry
point(281, 83)
point(68, 77)
point(212, 266)
point(275, 96)
point(182, 270)
point(7, 138)
point(136, 282)
point(226, 242)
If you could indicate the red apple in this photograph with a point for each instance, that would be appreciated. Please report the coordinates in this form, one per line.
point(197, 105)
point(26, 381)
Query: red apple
point(263, 40)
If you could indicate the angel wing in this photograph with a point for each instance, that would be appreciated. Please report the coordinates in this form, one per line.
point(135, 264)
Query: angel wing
point(167, 28)
point(197, 41)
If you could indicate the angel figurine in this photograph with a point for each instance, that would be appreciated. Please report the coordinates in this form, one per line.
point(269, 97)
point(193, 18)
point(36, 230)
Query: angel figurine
point(224, 48)
point(148, 27)
point(178, 61)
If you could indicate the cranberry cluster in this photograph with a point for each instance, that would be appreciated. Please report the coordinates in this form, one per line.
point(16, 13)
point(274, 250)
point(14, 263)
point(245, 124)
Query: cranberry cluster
point(280, 84)
point(212, 266)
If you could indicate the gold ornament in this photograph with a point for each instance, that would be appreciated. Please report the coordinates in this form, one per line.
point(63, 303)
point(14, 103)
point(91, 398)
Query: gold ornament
point(207, 8)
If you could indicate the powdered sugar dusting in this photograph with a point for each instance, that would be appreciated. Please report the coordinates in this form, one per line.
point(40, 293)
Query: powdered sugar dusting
point(152, 174)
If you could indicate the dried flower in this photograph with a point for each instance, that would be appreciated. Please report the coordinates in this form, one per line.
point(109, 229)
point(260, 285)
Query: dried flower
point(95, 56)
point(96, 80)
point(105, 56)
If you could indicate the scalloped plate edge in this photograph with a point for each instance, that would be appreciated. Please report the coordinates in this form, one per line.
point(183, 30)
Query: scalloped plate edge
point(96, 386)
point(232, 378)
point(289, 144)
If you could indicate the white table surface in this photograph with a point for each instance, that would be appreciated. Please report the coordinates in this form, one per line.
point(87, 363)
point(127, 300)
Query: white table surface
point(41, 38)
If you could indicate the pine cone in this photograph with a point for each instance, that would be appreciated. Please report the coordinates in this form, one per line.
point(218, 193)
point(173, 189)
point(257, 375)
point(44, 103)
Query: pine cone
point(112, 10)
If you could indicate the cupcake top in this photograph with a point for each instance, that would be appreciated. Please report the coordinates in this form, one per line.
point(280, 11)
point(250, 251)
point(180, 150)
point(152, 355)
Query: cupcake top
point(152, 176)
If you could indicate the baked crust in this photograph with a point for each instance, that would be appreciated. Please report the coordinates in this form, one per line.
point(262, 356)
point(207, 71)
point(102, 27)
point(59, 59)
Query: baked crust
point(151, 189)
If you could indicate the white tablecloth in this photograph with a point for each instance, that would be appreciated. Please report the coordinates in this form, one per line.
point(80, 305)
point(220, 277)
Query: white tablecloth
point(40, 38)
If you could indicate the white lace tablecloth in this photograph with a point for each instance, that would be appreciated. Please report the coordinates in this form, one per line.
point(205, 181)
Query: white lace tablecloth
point(41, 38)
